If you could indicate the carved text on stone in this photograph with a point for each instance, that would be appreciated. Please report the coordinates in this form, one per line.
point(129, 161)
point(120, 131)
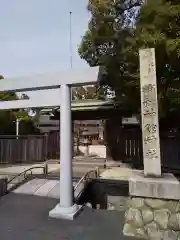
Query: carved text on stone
point(151, 153)
point(149, 139)
point(149, 112)
point(149, 100)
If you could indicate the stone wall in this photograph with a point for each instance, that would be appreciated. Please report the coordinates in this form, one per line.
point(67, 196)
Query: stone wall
point(154, 219)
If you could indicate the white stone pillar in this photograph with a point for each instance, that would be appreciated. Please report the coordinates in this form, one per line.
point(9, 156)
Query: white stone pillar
point(149, 113)
point(66, 209)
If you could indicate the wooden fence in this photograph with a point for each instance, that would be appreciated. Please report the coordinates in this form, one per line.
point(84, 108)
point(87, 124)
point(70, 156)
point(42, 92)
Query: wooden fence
point(123, 144)
point(25, 149)
point(127, 147)
point(29, 148)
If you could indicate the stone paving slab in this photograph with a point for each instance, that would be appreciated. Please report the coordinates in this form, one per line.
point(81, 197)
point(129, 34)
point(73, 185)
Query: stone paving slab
point(118, 173)
point(54, 192)
point(25, 217)
point(31, 186)
point(41, 187)
point(46, 188)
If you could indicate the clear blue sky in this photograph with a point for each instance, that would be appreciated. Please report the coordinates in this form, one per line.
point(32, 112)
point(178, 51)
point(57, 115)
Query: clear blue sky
point(34, 35)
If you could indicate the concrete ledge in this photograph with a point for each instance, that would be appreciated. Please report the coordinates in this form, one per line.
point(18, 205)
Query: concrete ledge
point(165, 187)
point(3, 186)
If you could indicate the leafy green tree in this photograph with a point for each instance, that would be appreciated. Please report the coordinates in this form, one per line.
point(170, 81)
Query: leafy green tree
point(158, 26)
point(86, 92)
point(117, 30)
point(8, 118)
point(106, 43)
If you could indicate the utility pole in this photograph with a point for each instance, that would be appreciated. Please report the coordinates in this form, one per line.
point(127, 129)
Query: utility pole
point(70, 39)
point(17, 127)
point(71, 66)
point(70, 46)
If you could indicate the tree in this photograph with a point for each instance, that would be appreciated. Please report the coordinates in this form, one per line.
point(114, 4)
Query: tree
point(106, 43)
point(8, 118)
point(158, 26)
point(113, 41)
point(85, 92)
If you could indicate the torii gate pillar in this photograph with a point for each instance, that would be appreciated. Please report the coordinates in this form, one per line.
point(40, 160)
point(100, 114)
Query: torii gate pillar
point(66, 209)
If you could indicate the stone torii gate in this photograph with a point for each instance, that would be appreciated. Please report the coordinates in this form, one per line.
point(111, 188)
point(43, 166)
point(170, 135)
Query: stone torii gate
point(63, 80)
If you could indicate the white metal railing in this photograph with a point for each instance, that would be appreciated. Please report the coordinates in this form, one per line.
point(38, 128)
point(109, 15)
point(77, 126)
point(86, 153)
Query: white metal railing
point(87, 177)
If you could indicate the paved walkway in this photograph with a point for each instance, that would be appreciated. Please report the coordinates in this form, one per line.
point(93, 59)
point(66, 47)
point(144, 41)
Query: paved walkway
point(41, 187)
point(16, 169)
point(79, 169)
point(25, 217)
point(118, 173)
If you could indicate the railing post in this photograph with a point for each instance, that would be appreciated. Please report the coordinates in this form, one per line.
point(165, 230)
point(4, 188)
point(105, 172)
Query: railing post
point(46, 169)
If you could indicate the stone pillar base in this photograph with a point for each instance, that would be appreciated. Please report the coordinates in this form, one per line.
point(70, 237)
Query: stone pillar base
point(154, 219)
point(68, 213)
point(153, 210)
point(165, 187)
